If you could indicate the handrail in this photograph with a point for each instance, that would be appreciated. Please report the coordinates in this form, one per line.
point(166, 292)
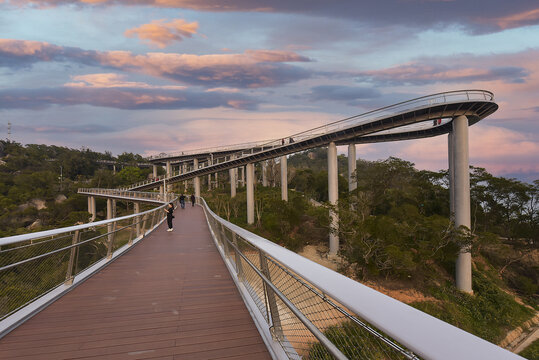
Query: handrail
point(426, 336)
point(121, 193)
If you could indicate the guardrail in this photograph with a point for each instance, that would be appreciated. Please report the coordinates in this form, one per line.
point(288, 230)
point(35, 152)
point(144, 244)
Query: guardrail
point(395, 109)
point(130, 195)
point(313, 312)
point(37, 268)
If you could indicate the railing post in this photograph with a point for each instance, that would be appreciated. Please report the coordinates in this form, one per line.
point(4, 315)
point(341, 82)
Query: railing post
point(144, 223)
point(70, 265)
point(273, 310)
point(239, 266)
point(224, 241)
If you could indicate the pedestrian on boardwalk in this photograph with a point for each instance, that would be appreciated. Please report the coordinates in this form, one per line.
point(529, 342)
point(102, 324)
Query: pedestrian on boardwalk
point(193, 200)
point(182, 201)
point(169, 209)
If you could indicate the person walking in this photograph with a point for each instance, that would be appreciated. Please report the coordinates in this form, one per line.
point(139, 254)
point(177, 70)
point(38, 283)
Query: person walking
point(169, 209)
point(182, 201)
point(193, 200)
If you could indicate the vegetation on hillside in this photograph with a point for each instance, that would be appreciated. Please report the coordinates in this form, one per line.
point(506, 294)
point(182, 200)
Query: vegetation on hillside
point(38, 184)
point(396, 229)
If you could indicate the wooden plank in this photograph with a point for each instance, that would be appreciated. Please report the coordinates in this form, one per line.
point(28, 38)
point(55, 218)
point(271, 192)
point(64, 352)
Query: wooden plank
point(169, 297)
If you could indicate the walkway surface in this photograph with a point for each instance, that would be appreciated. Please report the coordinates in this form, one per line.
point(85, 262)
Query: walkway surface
point(170, 297)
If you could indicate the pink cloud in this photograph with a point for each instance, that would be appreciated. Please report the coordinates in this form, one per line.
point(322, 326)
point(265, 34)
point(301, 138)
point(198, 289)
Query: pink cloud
point(499, 150)
point(161, 34)
point(112, 80)
point(252, 69)
point(528, 17)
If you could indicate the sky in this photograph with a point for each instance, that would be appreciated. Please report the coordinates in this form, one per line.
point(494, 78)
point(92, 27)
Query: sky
point(153, 76)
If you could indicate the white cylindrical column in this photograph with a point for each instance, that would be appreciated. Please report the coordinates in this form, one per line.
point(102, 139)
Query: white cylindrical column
point(264, 175)
point(169, 171)
point(90, 204)
point(451, 174)
point(242, 176)
point(462, 199)
point(94, 209)
point(232, 174)
point(352, 181)
point(109, 209)
point(333, 195)
point(284, 178)
point(209, 175)
point(196, 180)
point(250, 169)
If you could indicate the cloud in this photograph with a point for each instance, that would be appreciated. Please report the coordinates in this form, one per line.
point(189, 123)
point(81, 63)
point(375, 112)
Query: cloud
point(161, 34)
point(252, 69)
point(430, 71)
point(349, 94)
point(477, 16)
point(500, 150)
point(112, 80)
point(121, 98)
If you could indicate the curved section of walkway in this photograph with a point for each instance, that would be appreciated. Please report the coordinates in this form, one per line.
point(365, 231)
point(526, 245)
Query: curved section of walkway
point(170, 297)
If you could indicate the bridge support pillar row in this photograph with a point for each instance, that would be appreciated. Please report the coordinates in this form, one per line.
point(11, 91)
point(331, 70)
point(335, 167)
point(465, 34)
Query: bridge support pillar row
point(461, 195)
point(333, 195)
point(264, 175)
point(250, 193)
point(196, 180)
point(352, 180)
point(284, 178)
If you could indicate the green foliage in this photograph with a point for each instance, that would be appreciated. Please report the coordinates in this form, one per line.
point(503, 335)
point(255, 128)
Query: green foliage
point(531, 352)
point(489, 313)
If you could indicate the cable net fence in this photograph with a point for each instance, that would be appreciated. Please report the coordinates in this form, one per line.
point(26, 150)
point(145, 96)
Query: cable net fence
point(31, 268)
point(307, 323)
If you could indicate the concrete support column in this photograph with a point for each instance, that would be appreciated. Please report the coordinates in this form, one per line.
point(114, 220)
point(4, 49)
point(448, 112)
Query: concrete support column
point(113, 208)
point(232, 174)
point(242, 176)
point(154, 168)
point(93, 208)
point(352, 181)
point(250, 193)
point(209, 175)
point(264, 175)
point(333, 195)
point(90, 204)
point(169, 169)
point(184, 170)
point(462, 199)
point(109, 209)
point(451, 173)
point(196, 179)
point(216, 180)
point(284, 178)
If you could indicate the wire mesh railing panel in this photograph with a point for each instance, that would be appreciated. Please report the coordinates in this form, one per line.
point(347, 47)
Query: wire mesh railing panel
point(306, 322)
point(33, 266)
point(353, 336)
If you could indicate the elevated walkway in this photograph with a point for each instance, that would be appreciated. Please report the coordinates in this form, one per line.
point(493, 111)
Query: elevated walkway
point(170, 297)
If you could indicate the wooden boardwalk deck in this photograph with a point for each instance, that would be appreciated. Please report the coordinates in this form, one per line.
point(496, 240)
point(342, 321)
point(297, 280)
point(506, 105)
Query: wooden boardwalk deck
point(170, 297)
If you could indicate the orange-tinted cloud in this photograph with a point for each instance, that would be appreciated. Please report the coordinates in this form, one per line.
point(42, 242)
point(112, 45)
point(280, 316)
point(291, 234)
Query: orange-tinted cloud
point(528, 17)
point(112, 80)
point(252, 69)
point(161, 34)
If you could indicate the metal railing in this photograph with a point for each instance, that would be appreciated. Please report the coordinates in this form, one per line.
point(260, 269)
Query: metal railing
point(367, 117)
point(210, 150)
point(129, 195)
point(312, 312)
point(32, 266)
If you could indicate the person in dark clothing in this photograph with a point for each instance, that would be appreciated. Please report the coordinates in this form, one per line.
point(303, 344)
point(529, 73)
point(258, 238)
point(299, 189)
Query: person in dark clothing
point(182, 201)
point(193, 200)
point(169, 209)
